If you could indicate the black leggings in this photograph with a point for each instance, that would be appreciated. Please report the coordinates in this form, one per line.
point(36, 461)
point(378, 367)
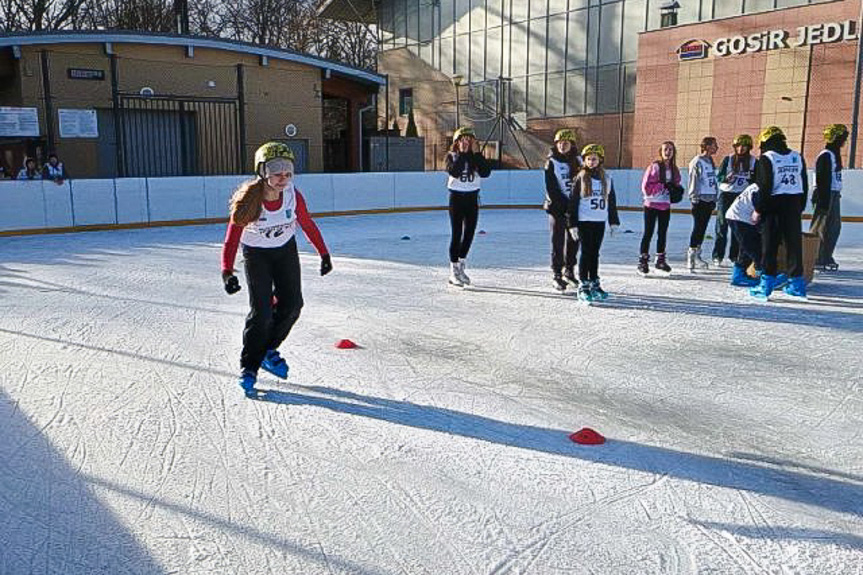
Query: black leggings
point(270, 271)
point(563, 248)
point(590, 236)
point(720, 231)
point(701, 212)
point(463, 216)
point(651, 216)
point(749, 241)
point(783, 225)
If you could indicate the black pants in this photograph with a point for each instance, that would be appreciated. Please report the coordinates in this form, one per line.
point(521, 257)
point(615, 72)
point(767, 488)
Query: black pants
point(748, 238)
point(651, 217)
point(463, 216)
point(720, 232)
point(701, 212)
point(590, 236)
point(783, 225)
point(563, 248)
point(270, 271)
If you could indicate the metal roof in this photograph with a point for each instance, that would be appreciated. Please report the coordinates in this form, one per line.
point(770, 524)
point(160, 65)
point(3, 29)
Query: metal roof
point(350, 10)
point(123, 37)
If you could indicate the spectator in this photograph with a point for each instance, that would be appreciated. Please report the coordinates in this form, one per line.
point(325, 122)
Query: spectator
point(30, 171)
point(54, 170)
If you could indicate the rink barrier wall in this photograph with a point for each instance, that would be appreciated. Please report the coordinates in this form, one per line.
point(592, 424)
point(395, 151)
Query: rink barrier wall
point(40, 207)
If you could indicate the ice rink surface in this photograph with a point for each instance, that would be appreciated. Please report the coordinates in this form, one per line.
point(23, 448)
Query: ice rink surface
point(441, 446)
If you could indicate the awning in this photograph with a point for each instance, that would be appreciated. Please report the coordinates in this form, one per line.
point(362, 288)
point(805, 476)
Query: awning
point(349, 10)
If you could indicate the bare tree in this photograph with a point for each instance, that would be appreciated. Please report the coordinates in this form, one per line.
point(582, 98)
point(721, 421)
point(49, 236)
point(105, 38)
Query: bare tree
point(37, 15)
point(142, 15)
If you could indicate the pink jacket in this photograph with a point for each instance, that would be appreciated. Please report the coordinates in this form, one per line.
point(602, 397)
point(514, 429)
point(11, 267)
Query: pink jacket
point(653, 190)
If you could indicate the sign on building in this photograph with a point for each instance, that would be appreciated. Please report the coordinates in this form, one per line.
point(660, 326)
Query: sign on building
point(78, 123)
point(18, 122)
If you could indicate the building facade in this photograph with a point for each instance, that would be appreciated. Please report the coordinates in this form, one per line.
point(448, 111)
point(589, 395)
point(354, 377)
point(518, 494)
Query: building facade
point(572, 63)
point(126, 104)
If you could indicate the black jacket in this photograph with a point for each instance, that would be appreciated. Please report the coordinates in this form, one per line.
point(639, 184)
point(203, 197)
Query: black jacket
point(475, 162)
point(556, 199)
point(764, 177)
point(824, 177)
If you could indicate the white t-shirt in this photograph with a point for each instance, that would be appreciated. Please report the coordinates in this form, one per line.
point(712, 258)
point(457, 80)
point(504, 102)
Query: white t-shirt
point(743, 206)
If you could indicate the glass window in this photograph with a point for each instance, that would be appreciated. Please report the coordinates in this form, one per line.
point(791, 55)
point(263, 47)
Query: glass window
point(446, 56)
point(728, 8)
point(462, 55)
point(577, 50)
point(590, 91)
point(611, 24)
point(608, 90)
point(577, 4)
point(556, 43)
point(518, 102)
point(758, 5)
point(554, 97)
point(633, 23)
point(538, 8)
point(399, 22)
point(406, 101)
point(446, 23)
point(426, 53)
point(629, 88)
point(507, 47)
point(494, 13)
point(519, 49)
point(493, 49)
point(536, 96)
point(593, 24)
point(789, 3)
point(427, 18)
point(556, 6)
point(575, 92)
point(477, 57)
point(413, 21)
point(537, 45)
point(477, 15)
point(519, 10)
point(462, 16)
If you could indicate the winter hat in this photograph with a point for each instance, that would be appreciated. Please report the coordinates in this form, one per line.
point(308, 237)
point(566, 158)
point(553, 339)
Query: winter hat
point(834, 132)
point(743, 140)
point(564, 134)
point(464, 131)
point(597, 149)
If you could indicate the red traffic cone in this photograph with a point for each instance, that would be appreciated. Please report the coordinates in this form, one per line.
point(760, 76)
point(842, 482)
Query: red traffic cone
point(587, 436)
point(346, 344)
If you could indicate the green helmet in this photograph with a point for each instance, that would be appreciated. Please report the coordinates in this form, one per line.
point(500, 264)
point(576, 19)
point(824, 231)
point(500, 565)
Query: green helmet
point(463, 131)
point(743, 140)
point(593, 149)
point(770, 132)
point(271, 151)
point(565, 135)
point(835, 131)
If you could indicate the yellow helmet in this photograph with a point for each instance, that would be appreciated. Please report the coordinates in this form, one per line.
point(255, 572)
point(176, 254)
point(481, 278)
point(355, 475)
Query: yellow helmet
point(593, 149)
point(770, 132)
point(835, 131)
point(463, 131)
point(271, 151)
point(743, 140)
point(565, 134)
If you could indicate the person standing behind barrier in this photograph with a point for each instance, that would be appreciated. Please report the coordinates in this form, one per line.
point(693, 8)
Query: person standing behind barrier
point(660, 178)
point(702, 193)
point(563, 163)
point(827, 219)
point(781, 177)
point(30, 171)
point(264, 217)
point(743, 223)
point(735, 173)
point(54, 170)
point(591, 205)
point(465, 166)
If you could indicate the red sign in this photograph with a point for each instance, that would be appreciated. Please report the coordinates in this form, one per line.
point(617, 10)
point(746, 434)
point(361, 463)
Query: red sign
point(693, 50)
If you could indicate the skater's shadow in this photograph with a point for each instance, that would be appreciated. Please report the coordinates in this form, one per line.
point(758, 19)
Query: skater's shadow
point(570, 295)
point(776, 533)
point(773, 313)
point(807, 488)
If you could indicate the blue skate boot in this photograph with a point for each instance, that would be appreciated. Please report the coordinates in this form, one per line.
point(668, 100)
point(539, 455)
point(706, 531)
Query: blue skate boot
point(781, 281)
point(248, 378)
point(275, 364)
point(585, 294)
point(596, 292)
point(740, 279)
point(796, 287)
point(762, 291)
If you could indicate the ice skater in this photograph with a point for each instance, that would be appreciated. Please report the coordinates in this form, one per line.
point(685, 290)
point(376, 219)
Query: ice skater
point(744, 223)
point(465, 166)
point(702, 193)
point(735, 173)
point(591, 205)
point(661, 180)
point(264, 214)
point(827, 219)
point(781, 177)
point(563, 163)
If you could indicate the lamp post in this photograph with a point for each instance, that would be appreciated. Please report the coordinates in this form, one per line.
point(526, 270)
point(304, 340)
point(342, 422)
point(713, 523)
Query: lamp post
point(456, 82)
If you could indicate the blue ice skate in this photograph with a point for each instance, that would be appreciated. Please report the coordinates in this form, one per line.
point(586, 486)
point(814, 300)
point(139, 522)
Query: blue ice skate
point(796, 287)
point(275, 364)
point(762, 291)
point(248, 378)
point(781, 281)
point(585, 295)
point(596, 292)
point(740, 279)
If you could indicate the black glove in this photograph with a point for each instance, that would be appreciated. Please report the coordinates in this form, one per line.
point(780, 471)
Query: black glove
point(326, 264)
point(232, 284)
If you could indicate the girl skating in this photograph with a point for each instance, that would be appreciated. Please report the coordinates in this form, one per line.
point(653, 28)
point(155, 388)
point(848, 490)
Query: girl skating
point(703, 190)
point(661, 180)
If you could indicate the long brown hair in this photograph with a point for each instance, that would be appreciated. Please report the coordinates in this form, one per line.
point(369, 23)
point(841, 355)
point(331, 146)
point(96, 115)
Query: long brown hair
point(247, 202)
point(584, 177)
point(672, 162)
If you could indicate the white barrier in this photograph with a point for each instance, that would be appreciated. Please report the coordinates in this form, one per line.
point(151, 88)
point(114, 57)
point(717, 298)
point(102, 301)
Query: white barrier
point(38, 205)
